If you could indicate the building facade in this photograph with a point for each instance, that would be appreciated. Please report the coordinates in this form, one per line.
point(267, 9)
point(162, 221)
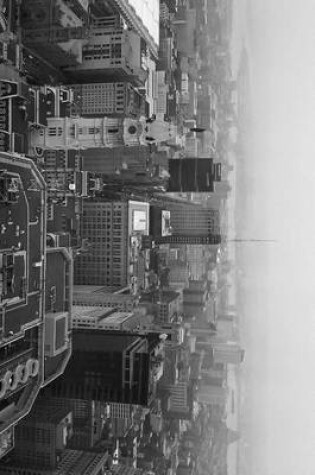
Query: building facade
point(107, 99)
point(111, 367)
point(114, 229)
point(22, 278)
point(105, 297)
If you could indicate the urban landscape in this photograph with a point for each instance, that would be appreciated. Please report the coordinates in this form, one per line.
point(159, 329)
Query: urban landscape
point(120, 349)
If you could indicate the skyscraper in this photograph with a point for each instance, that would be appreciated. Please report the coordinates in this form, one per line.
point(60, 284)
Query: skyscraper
point(192, 224)
point(193, 174)
point(111, 367)
point(194, 220)
point(22, 277)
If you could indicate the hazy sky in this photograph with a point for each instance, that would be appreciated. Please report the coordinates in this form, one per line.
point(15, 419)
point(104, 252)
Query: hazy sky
point(280, 316)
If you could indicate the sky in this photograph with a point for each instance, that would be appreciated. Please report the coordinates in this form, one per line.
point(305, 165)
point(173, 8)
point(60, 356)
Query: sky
point(278, 416)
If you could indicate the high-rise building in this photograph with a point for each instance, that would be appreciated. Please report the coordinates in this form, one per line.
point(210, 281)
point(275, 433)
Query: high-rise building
point(111, 367)
point(193, 174)
point(164, 305)
point(110, 161)
point(114, 229)
point(213, 395)
point(22, 221)
point(36, 294)
point(192, 224)
point(213, 239)
point(228, 352)
point(144, 17)
point(40, 439)
point(179, 273)
point(197, 261)
point(180, 400)
point(194, 220)
point(195, 298)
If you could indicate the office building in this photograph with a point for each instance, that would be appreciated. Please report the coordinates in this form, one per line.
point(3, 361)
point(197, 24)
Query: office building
point(160, 221)
point(179, 274)
point(120, 160)
point(22, 277)
point(111, 366)
point(195, 299)
point(104, 318)
point(180, 400)
point(227, 352)
point(118, 99)
point(110, 51)
point(165, 305)
point(196, 258)
point(212, 395)
point(105, 297)
point(193, 174)
point(36, 14)
point(48, 30)
point(192, 224)
point(194, 220)
point(210, 240)
point(40, 439)
point(144, 17)
point(114, 229)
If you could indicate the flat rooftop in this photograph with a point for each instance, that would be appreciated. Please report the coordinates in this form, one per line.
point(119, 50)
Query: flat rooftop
point(22, 243)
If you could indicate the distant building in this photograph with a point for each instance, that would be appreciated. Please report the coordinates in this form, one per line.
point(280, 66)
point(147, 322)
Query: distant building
point(165, 305)
point(192, 224)
point(180, 400)
point(179, 273)
point(228, 353)
point(194, 220)
point(197, 261)
point(212, 395)
point(193, 175)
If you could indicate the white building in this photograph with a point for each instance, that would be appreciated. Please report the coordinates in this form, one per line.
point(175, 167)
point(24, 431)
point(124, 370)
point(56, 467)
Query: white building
point(95, 132)
point(99, 318)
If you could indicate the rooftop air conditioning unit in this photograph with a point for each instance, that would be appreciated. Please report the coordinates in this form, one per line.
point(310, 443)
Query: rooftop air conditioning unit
point(56, 333)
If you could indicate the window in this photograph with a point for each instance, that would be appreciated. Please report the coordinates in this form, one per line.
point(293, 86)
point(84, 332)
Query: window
point(94, 130)
point(52, 131)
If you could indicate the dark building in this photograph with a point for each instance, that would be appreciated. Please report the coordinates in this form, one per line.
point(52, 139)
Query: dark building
point(188, 239)
point(111, 367)
point(193, 174)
